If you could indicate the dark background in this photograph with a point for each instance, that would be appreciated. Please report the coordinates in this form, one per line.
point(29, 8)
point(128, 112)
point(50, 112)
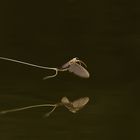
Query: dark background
point(104, 34)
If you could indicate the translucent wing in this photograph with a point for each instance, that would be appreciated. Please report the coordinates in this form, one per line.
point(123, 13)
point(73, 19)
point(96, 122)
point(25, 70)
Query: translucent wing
point(77, 104)
point(70, 62)
point(80, 103)
point(65, 100)
point(78, 70)
point(66, 65)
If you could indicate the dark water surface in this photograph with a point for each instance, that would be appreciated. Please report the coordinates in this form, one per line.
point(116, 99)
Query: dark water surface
point(105, 35)
point(110, 114)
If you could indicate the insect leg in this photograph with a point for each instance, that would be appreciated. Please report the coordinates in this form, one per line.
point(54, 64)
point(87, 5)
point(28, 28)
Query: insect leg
point(48, 77)
point(49, 113)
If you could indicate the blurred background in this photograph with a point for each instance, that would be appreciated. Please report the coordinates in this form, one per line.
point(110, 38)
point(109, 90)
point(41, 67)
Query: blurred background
point(104, 34)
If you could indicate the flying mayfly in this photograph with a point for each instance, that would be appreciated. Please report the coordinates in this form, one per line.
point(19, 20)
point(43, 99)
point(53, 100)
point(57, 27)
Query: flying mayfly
point(74, 65)
point(71, 106)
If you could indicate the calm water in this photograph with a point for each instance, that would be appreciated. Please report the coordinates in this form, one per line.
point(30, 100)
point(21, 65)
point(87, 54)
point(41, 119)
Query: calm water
point(110, 114)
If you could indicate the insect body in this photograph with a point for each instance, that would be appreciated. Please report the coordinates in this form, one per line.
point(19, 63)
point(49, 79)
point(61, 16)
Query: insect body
point(75, 66)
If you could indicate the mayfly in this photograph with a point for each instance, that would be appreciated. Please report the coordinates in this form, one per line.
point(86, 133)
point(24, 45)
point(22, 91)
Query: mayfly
point(73, 107)
point(75, 66)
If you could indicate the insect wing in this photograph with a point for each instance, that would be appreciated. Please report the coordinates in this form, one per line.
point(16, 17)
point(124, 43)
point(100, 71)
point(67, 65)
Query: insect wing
point(65, 100)
point(79, 70)
point(66, 65)
point(70, 62)
point(80, 103)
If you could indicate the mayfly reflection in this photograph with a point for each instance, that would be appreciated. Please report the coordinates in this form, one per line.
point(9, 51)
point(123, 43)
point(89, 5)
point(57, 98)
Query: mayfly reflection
point(75, 66)
point(73, 107)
